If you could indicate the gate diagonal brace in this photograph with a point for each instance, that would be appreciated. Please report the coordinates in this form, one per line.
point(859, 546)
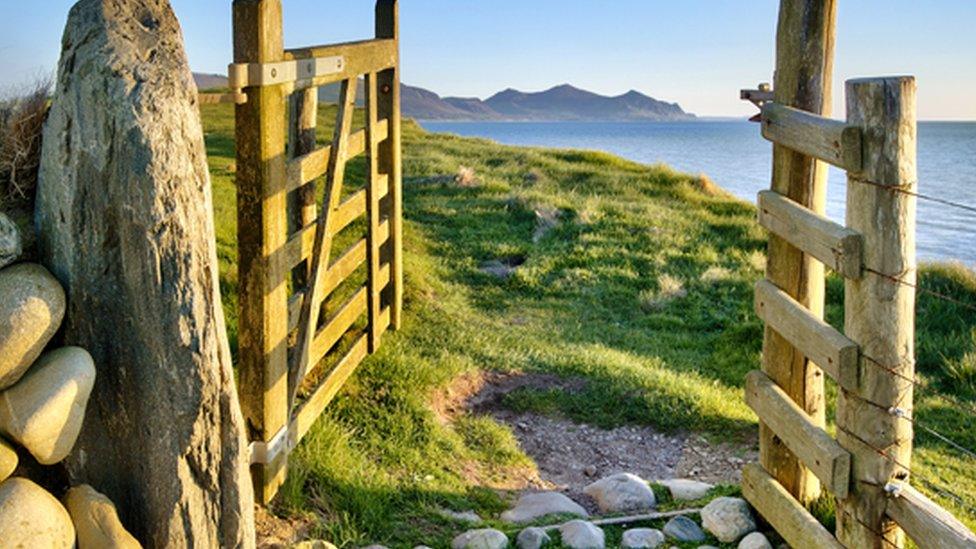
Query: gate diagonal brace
point(758, 97)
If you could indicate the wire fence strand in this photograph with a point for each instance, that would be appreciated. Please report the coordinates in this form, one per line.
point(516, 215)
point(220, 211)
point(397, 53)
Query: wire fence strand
point(903, 190)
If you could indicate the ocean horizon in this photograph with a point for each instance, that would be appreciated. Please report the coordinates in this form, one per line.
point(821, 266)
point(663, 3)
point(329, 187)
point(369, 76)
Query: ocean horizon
point(733, 154)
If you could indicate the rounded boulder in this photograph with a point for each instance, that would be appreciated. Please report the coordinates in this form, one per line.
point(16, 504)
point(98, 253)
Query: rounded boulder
point(31, 517)
point(32, 306)
point(44, 411)
point(96, 520)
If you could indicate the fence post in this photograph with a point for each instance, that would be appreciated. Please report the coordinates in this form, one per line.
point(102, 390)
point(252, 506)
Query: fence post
point(804, 64)
point(262, 230)
point(388, 161)
point(880, 312)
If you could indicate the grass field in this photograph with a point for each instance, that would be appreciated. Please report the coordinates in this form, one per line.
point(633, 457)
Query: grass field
point(643, 289)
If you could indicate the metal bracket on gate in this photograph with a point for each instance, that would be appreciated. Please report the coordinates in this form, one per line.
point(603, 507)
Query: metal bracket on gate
point(266, 452)
point(758, 97)
point(243, 75)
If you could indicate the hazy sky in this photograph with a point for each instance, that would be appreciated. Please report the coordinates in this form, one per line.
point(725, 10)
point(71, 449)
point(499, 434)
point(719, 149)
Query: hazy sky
point(696, 52)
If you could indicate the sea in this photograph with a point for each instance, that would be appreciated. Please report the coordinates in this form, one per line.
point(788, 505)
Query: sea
point(734, 155)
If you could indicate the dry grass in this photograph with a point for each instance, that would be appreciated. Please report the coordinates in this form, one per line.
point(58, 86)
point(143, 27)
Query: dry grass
point(22, 119)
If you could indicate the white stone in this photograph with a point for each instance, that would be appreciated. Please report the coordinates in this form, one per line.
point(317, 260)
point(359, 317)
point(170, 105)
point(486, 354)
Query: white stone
point(485, 538)
point(44, 411)
point(96, 521)
point(532, 506)
point(532, 538)
point(641, 538)
point(755, 540)
point(460, 516)
point(728, 519)
point(11, 241)
point(685, 489)
point(31, 517)
point(580, 534)
point(31, 308)
point(621, 492)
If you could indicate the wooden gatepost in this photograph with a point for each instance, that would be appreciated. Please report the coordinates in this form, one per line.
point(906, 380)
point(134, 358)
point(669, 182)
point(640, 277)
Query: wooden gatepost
point(867, 467)
point(297, 347)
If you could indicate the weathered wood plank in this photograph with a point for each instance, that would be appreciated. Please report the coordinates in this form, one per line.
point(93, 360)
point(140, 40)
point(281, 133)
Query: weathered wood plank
point(805, 439)
point(262, 231)
point(832, 141)
point(819, 341)
point(322, 249)
point(879, 314)
point(836, 246)
point(803, 80)
point(928, 524)
point(373, 212)
point(314, 164)
point(301, 139)
point(388, 83)
point(347, 263)
point(790, 519)
point(300, 245)
point(359, 58)
point(311, 409)
point(336, 327)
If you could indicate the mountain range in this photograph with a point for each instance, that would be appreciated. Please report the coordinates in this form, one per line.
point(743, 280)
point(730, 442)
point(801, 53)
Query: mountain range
point(561, 103)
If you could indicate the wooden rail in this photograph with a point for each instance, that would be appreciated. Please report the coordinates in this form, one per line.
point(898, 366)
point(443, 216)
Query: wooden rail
point(287, 237)
point(834, 245)
point(925, 522)
point(806, 440)
point(829, 140)
point(797, 526)
point(821, 342)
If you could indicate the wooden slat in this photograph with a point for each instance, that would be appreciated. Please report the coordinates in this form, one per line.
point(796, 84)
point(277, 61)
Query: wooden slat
point(820, 342)
point(812, 445)
point(358, 58)
point(313, 165)
point(790, 519)
point(373, 212)
point(336, 327)
point(350, 260)
point(300, 245)
point(310, 410)
point(832, 141)
point(927, 523)
point(833, 244)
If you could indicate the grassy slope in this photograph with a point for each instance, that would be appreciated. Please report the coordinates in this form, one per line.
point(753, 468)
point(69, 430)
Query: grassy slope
point(644, 290)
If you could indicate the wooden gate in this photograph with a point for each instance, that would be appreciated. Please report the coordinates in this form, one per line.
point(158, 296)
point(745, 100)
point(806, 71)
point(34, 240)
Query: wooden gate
point(298, 341)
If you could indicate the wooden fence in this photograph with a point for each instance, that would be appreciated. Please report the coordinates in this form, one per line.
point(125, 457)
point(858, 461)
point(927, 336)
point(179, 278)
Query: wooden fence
point(867, 467)
point(297, 346)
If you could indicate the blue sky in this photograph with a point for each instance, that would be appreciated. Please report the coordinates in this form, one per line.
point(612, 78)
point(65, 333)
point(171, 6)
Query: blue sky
point(696, 52)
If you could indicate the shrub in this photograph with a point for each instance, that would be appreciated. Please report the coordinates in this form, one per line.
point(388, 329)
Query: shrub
point(21, 124)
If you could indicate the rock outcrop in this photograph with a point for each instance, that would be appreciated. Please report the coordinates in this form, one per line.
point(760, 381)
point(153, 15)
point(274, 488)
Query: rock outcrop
point(44, 411)
point(124, 217)
point(31, 308)
point(96, 521)
point(31, 517)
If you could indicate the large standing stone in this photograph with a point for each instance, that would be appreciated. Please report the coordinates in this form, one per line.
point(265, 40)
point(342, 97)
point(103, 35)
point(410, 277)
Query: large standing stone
point(96, 520)
point(44, 411)
point(124, 216)
point(728, 519)
point(11, 242)
point(31, 309)
point(31, 517)
point(580, 534)
point(621, 492)
point(532, 506)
